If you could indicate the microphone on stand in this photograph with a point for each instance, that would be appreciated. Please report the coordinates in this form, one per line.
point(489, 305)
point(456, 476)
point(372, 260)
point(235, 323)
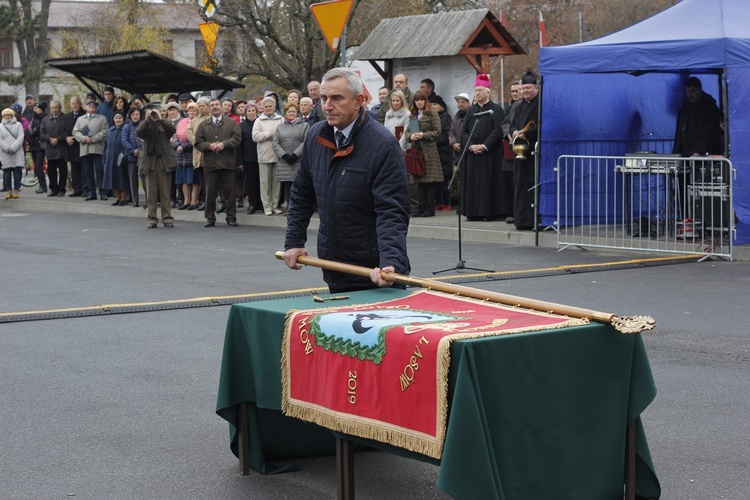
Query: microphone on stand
point(635, 141)
point(488, 112)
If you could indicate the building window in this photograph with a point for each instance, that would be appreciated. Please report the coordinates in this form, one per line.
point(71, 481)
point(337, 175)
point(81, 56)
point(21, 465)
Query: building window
point(201, 56)
point(70, 47)
point(7, 100)
point(6, 53)
point(44, 50)
point(229, 52)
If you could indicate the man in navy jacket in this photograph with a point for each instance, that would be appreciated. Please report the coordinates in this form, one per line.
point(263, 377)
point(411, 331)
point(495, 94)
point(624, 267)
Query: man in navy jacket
point(354, 170)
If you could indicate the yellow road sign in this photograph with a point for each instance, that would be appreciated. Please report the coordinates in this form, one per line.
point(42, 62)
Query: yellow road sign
point(331, 18)
point(209, 6)
point(210, 32)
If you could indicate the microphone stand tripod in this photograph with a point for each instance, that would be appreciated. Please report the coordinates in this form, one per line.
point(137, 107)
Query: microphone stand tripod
point(461, 264)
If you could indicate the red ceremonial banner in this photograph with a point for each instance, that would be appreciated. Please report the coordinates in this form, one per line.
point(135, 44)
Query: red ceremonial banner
point(380, 371)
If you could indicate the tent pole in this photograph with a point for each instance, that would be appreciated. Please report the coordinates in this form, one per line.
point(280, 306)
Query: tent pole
point(537, 163)
point(723, 88)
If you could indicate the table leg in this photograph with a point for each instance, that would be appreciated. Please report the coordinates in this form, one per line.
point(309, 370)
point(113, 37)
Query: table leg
point(630, 462)
point(344, 469)
point(243, 442)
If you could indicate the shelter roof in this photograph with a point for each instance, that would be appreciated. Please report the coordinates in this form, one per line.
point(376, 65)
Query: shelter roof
point(442, 34)
point(142, 72)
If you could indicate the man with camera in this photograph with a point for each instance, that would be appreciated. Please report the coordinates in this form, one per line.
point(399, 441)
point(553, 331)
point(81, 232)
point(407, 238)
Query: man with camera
point(157, 164)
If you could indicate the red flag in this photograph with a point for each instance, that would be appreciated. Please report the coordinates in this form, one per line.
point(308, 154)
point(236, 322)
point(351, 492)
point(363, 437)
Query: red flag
point(542, 31)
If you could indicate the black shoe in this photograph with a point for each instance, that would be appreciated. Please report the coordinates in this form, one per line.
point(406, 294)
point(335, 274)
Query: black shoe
point(173, 204)
point(209, 224)
point(191, 207)
point(240, 203)
point(103, 197)
point(151, 225)
point(52, 194)
point(61, 194)
point(222, 208)
point(509, 220)
point(169, 224)
point(250, 209)
point(201, 206)
point(90, 197)
point(40, 190)
point(232, 223)
point(75, 194)
point(182, 207)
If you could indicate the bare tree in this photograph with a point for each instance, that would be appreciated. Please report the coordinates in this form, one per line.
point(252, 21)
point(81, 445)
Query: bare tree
point(29, 32)
point(566, 22)
point(281, 43)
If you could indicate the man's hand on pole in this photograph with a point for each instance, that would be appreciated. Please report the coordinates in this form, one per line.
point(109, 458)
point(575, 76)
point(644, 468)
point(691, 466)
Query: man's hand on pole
point(376, 276)
point(290, 257)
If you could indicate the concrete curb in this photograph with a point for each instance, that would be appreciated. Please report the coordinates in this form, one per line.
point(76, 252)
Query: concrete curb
point(444, 226)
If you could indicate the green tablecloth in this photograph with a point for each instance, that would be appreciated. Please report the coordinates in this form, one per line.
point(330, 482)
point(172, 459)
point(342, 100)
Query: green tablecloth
point(532, 415)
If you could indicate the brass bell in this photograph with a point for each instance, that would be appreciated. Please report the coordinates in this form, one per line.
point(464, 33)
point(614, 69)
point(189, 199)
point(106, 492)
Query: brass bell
point(520, 150)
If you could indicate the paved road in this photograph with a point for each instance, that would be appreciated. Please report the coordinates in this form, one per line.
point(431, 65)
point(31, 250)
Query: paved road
point(122, 406)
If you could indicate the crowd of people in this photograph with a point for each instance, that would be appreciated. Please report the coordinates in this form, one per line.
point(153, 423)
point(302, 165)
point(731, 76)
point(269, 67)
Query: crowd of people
point(222, 155)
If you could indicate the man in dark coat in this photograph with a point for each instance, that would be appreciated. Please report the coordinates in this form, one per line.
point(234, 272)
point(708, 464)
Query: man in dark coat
point(28, 111)
point(217, 137)
point(527, 111)
point(698, 134)
point(509, 162)
point(484, 186)
point(72, 152)
point(354, 170)
point(53, 134)
point(107, 107)
point(698, 131)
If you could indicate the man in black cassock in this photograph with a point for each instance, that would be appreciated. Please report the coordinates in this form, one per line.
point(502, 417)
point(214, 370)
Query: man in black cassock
point(527, 111)
point(485, 188)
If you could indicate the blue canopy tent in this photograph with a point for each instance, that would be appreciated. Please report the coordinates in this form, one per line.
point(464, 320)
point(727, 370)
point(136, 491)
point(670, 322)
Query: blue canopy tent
point(605, 96)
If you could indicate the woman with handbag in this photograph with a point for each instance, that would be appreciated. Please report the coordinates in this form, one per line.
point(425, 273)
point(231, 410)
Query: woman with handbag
point(424, 140)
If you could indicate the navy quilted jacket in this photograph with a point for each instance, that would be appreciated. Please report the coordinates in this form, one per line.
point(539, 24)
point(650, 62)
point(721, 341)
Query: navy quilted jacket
point(362, 194)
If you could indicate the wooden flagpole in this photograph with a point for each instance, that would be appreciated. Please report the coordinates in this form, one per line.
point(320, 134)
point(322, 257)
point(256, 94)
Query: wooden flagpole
point(624, 324)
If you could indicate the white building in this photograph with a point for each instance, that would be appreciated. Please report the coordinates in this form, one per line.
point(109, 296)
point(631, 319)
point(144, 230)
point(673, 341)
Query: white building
point(67, 38)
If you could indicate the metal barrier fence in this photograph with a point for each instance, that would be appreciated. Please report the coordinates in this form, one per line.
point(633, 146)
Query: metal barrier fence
point(655, 203)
